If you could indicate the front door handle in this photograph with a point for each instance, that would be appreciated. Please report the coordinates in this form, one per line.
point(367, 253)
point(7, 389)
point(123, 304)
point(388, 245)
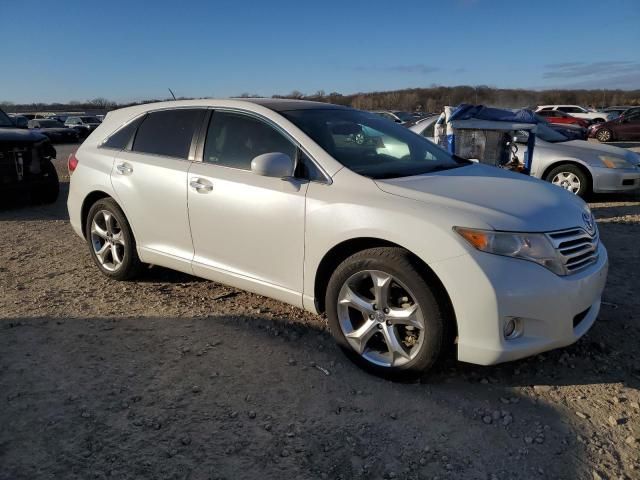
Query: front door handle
point(200, 185)
point(124, 169)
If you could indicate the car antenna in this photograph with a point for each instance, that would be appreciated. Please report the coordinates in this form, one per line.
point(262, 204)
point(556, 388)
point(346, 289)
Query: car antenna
point(171, 92)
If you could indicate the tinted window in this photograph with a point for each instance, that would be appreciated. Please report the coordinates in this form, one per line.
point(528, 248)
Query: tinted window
point(120, 139)
point(168, 132)
point(234, 140)
point(633, 117)
point(429, 131)
point(308, 170)
point(569, 109)
point(5, 121)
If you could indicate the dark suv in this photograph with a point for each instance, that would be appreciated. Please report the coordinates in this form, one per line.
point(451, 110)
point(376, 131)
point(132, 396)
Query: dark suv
point(26, 163)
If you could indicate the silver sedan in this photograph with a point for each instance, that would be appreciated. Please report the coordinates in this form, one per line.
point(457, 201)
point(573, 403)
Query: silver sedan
point(576, 165)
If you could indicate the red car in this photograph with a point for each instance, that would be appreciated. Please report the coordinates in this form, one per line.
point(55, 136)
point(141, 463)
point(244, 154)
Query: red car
point(625, 127)
point(556, 116)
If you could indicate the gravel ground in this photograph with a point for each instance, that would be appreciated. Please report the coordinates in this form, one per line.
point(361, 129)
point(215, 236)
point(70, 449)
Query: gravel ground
point(176, 377)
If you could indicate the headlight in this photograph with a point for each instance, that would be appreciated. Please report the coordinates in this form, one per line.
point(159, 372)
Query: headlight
point(534, 247)
point(614, 162)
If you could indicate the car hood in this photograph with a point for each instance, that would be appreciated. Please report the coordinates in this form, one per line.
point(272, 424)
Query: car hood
point(60, 130)
point(19, 135)
point(582, 149)
point(504, 200)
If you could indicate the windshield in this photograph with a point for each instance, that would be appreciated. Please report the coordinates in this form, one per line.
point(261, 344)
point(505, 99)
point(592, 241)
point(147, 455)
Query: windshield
point(549, 134)
point(90, 119)
point(49, 124)
point(5, 121)
point(370, 145)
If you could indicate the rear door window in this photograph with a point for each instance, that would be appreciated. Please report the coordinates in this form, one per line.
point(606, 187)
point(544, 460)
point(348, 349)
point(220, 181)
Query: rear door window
point(168, 132)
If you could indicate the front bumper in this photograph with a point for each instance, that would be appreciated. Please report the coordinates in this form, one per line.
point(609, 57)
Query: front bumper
point(615, 179)
point(486, 290)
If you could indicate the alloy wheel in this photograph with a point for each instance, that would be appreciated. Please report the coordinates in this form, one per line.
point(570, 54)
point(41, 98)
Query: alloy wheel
point(380, 318)
point(107, 240)
point(567, 180)
point(604, 135)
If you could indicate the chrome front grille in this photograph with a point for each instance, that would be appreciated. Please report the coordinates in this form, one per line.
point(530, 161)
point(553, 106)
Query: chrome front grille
point(12, 164)
point(576, 247)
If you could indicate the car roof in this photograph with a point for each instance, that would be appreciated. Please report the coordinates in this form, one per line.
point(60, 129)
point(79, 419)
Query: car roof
point(284, 104)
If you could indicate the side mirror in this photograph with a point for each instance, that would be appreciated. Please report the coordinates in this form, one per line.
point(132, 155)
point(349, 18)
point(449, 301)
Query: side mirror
point(275, 164)
point(22, 122)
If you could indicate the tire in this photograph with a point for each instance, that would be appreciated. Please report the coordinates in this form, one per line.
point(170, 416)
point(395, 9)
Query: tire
point(48, 191)
point(353, 308)
point(107, 230)
point(566, 175)
point(604, 135)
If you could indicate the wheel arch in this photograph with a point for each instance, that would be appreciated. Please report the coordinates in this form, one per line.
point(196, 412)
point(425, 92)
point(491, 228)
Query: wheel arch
point(87, 203)
point(573, 162)
point(340, 252)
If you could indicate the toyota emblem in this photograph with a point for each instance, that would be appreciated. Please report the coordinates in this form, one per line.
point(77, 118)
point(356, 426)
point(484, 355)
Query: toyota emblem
point(589, 222)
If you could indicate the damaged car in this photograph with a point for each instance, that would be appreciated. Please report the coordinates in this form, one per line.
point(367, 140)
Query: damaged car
point(26, 163)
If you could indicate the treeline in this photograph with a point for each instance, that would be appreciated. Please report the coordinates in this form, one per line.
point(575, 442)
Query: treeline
point(430, 99)
point(433, 99)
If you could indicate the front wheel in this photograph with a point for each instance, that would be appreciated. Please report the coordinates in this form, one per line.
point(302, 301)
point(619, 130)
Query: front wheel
point(111, 242)
point(383, 313)
point(571, 178)
point(604, 135)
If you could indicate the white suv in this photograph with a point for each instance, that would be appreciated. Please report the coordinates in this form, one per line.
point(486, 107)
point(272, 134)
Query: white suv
point(406, 249)
point(578, 112)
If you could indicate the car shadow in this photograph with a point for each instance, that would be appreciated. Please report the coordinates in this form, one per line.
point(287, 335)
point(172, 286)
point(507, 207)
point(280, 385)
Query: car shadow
point(224, 395)
point(157, 274)
point(19, 207)
point(616, 211)
point(633, 196)
point(625, 144)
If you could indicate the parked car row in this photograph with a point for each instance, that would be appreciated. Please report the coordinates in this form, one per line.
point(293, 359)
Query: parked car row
point(610, 124)
point(71, 128)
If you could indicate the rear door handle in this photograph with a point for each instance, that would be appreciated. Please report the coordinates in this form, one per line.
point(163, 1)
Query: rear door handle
point(124, 169)
point(201, 185)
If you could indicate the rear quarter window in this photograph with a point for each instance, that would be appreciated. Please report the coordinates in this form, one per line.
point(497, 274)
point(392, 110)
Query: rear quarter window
point(168, 132)
point(121, 138)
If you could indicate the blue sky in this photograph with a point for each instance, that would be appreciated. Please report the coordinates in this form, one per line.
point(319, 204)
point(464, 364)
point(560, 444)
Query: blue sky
point(130, 50)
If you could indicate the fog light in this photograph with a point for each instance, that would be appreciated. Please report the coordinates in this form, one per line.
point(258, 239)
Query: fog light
point(512, 328)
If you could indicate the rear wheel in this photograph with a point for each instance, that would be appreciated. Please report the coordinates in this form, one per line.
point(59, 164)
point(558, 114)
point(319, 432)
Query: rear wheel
point(571, 178)
point(604, 135)
point(111, 241)
point(383, 313)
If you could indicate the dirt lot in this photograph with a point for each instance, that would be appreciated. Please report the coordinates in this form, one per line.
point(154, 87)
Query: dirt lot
point(176, 377)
